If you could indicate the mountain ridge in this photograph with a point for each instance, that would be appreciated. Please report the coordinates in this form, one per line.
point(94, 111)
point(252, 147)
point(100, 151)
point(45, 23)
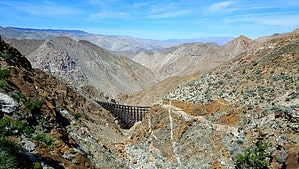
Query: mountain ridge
point(119, 44)
point(83, 63)
point(190, 58)
point(65, 31)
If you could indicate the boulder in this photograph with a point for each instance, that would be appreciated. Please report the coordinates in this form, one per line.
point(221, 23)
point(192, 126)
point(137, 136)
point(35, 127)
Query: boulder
point(7, 104)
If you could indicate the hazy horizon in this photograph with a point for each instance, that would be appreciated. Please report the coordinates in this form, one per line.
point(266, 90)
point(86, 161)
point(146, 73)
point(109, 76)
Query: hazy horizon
point(161, 20)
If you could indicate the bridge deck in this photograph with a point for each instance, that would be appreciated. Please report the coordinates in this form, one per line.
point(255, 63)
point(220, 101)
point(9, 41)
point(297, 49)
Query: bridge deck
point(126, 114)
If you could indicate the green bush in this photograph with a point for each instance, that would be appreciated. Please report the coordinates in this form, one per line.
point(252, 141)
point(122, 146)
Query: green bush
point(6, 160)
point(9, 152)
point(3, 84)
point(255, 157)
point(19, 96)
point(13, 127)
point(37, 165)
point(5, 56)
point(4, 73)
point(35, 106)
point(44, 138)
point(78, 116)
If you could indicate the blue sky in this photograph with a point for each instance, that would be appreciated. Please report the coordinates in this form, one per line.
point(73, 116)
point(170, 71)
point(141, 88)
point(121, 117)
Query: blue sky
point(156, 19)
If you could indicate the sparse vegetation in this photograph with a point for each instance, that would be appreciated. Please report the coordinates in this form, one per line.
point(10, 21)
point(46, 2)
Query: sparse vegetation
point(7, 161)
point(4, 74)
point(165, 99)
point(9, 152)
point(13, 127)
point(228, 76)
point(37, 165)
point(3, 84)
point(43, 138)
point(19, 96)
point(34, 106)
point(255, 157)
point(5, 56)
point(78, 116)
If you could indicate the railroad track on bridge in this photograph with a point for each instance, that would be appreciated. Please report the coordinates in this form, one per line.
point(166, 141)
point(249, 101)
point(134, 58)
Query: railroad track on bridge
point(126, 115)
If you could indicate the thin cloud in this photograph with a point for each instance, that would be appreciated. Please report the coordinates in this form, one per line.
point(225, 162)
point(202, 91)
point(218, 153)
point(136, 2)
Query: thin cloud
point(157, 8)
point(168, 14)
point(109, 15)
point(43, 9)
point(166, 10)
point(267, 19)
point(223, 7)
point(141, 4)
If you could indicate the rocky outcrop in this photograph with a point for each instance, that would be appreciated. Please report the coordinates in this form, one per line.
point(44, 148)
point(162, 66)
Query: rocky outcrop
point(7, 104)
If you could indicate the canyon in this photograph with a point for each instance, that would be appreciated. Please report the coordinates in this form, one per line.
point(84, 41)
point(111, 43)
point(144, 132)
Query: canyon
point(210, 103)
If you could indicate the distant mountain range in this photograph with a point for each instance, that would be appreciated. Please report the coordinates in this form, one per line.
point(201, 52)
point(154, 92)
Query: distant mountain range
point(120, 45)
point(218, 40)
point(49, 30)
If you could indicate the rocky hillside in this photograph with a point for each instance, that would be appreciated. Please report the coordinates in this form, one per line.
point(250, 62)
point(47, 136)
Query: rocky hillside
point(82, 63)
point(152, 95)
point(46, 124)
point(243, 114)
point(191, 58)
point(25, 46)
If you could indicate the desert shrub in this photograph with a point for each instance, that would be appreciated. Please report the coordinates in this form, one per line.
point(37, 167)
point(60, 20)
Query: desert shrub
point(255, 157)
point(43, 138)
point(228, 76)
point(37, 165)
point(9, 152)
point(78, 116)
point(3, 84)
point(19, 96)
point(5, 56)
point(34, 106)
point(6, 160)
point(4, 73)
point(165, 99)
point(14, 127)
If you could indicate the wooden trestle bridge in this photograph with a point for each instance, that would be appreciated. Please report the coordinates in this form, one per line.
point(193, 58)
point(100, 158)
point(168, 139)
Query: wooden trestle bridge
point(126, 115)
